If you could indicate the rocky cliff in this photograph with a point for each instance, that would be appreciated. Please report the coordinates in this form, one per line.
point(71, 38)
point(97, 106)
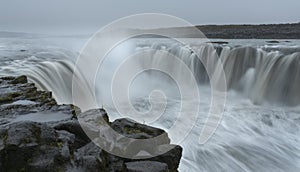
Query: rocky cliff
point(37, 134)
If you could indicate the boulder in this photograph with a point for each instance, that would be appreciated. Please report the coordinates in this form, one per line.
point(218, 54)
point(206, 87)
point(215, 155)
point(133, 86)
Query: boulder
point(19, 80)
point(90, 158)
point(30, 146)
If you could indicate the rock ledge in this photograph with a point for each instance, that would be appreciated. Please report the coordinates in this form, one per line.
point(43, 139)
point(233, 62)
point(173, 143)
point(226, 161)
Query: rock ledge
point(37, 134)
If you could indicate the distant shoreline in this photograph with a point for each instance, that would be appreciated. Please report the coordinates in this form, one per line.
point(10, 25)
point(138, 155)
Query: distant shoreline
point(263, 31)
point(247, 31)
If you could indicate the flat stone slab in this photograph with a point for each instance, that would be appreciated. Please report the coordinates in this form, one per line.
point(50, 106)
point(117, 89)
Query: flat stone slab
point(146, 166)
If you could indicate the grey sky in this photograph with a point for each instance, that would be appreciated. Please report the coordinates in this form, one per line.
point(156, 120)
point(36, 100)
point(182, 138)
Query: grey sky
point(50, 16)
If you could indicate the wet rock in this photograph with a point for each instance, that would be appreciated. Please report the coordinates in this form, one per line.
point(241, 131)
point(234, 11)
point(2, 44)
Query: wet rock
point(90, 158)
point(95, 117)
point(19, 80)
point(171, 157)
point(30, 146)
point(15, 93)
point(132, 129)
point(5, 98)
point(146, 166)
point(62, 144)
point(145, 139)
point(219, 42)
point(273, 42)
point(73, 126)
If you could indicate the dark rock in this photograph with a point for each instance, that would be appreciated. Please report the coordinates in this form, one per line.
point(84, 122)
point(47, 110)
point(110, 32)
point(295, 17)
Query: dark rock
point(171, 157)
point(219, 42)
point(273, 42)
point(90, 156)
point(95, 116)
point(148, 138)
point(30, 146)
point(17, 97)
point(5, 98)
point(146, 166)
point(7, 78)
point(74, 127)
point(132, 129)
point(19, 80)
point(63, 144)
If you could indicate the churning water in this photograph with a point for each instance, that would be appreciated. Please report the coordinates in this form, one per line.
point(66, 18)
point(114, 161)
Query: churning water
point(260, 128)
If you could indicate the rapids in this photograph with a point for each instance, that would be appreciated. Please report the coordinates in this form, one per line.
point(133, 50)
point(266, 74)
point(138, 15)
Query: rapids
point(260, 128)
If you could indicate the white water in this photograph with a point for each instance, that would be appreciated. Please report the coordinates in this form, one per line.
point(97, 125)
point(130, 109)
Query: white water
point(260, 128)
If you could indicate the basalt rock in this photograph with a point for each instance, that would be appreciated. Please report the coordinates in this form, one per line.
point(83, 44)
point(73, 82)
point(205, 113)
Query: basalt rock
point(37, 134)
point(146, 166)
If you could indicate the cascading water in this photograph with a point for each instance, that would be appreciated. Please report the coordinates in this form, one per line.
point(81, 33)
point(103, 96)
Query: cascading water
point(271, 76)
point(260, 127)
point(262, 76)
point(50, 68)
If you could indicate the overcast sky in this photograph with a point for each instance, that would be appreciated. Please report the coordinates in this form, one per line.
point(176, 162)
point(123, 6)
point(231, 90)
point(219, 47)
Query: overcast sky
point(71, 16)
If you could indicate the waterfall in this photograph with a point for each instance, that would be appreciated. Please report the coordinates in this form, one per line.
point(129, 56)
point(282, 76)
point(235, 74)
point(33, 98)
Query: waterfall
point(50, 70)
point(271, 76)
point(252, 135)
point(55, 77)
point(260, 75)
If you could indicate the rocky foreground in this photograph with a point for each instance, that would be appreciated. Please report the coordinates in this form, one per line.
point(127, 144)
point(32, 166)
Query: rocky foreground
point(37, 134)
